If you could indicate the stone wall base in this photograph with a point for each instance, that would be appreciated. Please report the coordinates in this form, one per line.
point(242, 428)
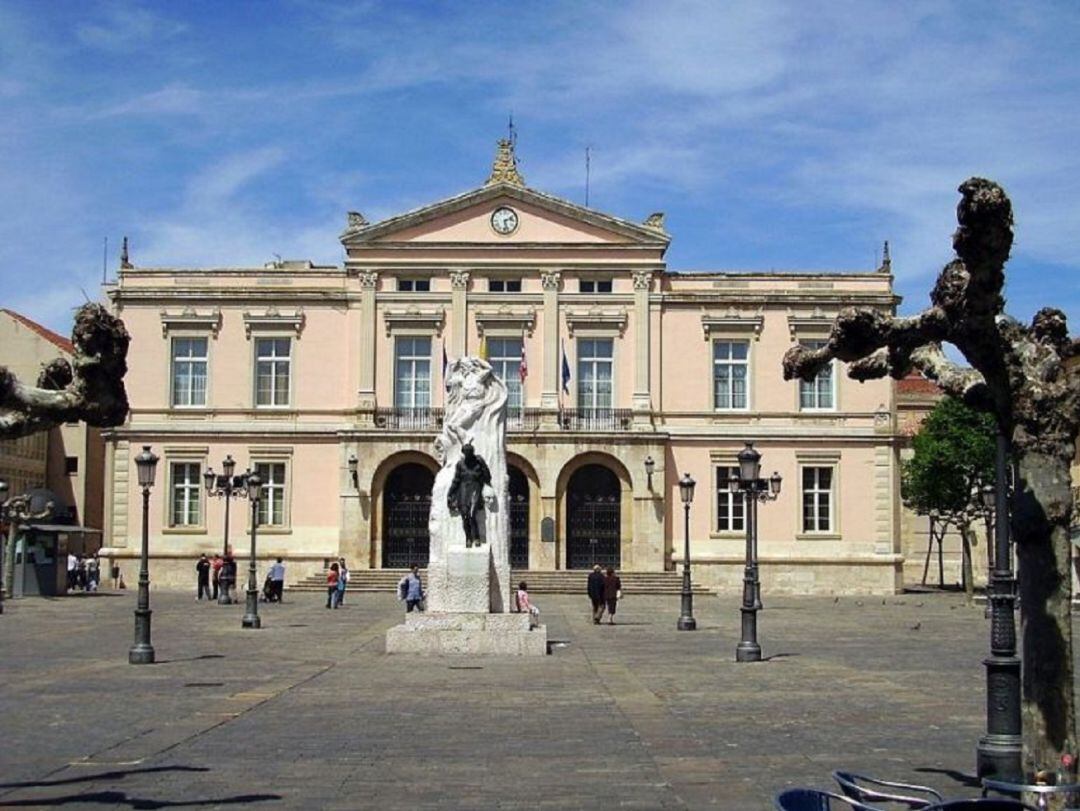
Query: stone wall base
point(869, 575)
point(468, 634)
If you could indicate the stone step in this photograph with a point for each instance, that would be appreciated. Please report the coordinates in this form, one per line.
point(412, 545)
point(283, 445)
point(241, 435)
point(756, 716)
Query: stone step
point(540, 582)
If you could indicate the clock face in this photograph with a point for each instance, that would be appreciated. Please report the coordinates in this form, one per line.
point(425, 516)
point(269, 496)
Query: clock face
point(504, 220)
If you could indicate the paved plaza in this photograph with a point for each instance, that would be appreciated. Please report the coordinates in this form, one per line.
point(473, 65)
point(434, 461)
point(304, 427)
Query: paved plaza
point(309, 712)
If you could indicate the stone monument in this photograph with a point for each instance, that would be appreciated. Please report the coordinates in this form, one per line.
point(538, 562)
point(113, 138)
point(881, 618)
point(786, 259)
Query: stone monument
point(470, 605)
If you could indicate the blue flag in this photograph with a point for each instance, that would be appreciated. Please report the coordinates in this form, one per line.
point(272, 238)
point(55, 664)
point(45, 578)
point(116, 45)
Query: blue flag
point(565, 371)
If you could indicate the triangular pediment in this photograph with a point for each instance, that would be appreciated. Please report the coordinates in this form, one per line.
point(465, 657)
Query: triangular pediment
point(541, 220)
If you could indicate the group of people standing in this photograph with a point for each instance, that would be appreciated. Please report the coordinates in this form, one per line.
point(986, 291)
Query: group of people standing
point(337, 580)
point(605, 591)
point(83, 572)
point(217, 578)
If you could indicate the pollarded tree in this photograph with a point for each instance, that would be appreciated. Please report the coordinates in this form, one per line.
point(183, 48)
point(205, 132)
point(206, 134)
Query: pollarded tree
point(1023, 376)
point(953, 461)
point(89, 389)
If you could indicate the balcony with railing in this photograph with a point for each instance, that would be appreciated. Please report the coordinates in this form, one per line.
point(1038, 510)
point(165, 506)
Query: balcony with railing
point(519, 420)
point(522, 419)
point(596, 419)
point(409, 419)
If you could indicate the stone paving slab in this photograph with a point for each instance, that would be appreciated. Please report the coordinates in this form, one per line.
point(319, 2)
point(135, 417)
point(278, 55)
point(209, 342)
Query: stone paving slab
point(310, 712)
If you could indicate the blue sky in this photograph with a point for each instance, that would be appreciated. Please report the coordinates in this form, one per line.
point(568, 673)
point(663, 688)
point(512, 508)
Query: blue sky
point(776, 135)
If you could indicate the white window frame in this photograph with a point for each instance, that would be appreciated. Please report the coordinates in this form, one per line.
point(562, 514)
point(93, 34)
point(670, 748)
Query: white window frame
point(734, 498)
point(190, 361)
point(500, 363)
point(270, 486)
point(273, 360)
point(832, 530)
point(193, 495)
point(748, 363)
point(610, 360)
point(413, 358)
point(814, 385)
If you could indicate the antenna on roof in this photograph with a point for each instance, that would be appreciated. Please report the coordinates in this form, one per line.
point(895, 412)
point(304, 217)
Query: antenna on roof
point(105, 262)
point(587, 149)
point(511, 132)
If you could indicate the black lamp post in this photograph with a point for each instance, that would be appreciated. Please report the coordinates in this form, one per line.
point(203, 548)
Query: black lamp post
point(251, 609)
point(754, 489)
point(650, 468)
point(686, 619)
point(998, 754)
point(4, 512)
point(226, 486)
point(142, 652)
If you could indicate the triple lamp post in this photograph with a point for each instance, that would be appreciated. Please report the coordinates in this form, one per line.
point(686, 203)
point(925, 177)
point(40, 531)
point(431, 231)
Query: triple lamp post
point(226, 485)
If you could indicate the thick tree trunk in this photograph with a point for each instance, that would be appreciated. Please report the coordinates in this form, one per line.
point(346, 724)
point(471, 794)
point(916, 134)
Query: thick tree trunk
point(965, 561)
point(1040, 526)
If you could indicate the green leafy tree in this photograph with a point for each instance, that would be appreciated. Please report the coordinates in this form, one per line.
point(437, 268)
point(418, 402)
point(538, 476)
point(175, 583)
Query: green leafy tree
point(953, 461)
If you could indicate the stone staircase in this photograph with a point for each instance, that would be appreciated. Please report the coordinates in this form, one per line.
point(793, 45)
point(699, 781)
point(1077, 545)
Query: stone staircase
point(384, 581)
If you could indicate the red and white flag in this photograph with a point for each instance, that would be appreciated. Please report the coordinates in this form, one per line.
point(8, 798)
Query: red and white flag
point(523, 368)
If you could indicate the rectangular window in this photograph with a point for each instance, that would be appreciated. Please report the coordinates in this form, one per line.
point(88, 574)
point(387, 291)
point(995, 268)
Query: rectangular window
point(71, 465)
point(731, 371)
point(186, 486)
point(272, 505)
point(504, 285)
point(817, 394)
point(594, 286)
point(729, 502)
point(817, 499)
point(189, 362)
point(414, 285)
point(273, 366)
point(412, 376)
point(594, 362)
point(504, 355)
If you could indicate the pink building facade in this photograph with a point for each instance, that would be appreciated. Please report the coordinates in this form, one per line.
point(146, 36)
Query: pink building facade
point(328, 382)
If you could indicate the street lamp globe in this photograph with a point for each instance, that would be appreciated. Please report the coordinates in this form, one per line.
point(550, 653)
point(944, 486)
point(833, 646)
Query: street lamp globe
point(228, 466)
point(749, 464)
point(686, 488)
point(775, 480)
point(650, 468)
point(988, 496)
point(254, 487)
point(146, 463)
point(3, 491)
point(209, 478)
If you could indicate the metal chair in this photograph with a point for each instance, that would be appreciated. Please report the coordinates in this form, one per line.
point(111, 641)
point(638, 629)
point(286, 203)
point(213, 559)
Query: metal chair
point(868, 789)
point(811, 799)
point(982, 804)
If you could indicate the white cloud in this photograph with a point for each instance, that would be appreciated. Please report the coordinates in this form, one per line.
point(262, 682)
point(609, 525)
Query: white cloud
point(122, 27)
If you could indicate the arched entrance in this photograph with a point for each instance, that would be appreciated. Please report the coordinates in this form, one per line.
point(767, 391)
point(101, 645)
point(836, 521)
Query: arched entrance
point(406, 505)
point(519, 518)
point(593, 517)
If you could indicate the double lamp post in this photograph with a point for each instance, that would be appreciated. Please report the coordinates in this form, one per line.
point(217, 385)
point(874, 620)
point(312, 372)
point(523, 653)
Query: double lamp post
point(753, 489)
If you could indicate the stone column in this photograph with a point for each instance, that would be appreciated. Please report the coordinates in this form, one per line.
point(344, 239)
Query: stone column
point(351, 543)
point(642, 398)
point(366, 399)
point(459, 321)
point(549, 395)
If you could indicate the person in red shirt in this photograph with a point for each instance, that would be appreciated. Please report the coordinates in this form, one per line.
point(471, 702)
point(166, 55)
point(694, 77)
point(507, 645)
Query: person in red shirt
point(215, 574)
point(331, 586)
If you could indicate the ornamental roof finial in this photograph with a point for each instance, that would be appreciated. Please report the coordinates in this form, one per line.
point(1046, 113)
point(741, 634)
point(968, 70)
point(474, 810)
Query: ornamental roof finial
point(504, 169)
point(886, 260)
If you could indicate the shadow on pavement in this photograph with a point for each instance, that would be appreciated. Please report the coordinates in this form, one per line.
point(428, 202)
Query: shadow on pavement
point(198, 658)
point(969, 780)
point(121, 798)
point(113, 775)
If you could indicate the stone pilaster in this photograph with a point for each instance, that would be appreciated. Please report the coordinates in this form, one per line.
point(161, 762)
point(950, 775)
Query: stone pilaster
point(642, 397)
point(459, 286)
point(121, 492)
point(366, 397)
point(549, 395)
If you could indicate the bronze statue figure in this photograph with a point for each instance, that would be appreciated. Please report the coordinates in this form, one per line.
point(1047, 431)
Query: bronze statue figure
point(466, 494)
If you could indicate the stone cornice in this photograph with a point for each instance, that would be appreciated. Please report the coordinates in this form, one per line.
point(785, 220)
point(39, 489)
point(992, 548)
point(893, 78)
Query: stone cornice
point(274, 321)
point(191, 319)
point(596, 320)
point(519, 322)
point(415, 319)
point(713, 325)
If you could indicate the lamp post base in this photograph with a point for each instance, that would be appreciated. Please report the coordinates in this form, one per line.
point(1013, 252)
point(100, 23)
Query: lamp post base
point(748, 652)
point(687, 624)
point(142, 652)
point(251, 611)
point(999, 757)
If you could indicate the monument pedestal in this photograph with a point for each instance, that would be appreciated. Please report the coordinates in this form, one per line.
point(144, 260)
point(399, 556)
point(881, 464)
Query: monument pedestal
point(454, 633)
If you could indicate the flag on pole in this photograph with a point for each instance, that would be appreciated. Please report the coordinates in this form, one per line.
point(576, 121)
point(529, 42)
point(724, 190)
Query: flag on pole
point(523, 369)
point(483, 352)
point(565, 371)
point(445, 362)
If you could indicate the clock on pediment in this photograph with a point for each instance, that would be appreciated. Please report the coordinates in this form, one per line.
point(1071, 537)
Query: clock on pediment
point(504, 220)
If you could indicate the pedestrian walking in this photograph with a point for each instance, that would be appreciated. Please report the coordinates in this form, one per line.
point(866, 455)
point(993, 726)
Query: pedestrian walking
point(72, 568)
point(215, 574)
point(332, 577)
point(612, 593)
point(525, 606)
point(93, 572)
point(228, 578)
point(596, 593)
point(277, 581)
point(411, 590)
point(202, 573)
point(343, 580)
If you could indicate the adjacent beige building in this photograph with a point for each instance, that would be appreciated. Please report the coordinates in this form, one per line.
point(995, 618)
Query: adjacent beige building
point(612, 359)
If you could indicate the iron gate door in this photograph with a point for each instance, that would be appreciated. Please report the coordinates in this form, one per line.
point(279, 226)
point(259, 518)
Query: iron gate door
point(405, 539)
point(519, 519)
